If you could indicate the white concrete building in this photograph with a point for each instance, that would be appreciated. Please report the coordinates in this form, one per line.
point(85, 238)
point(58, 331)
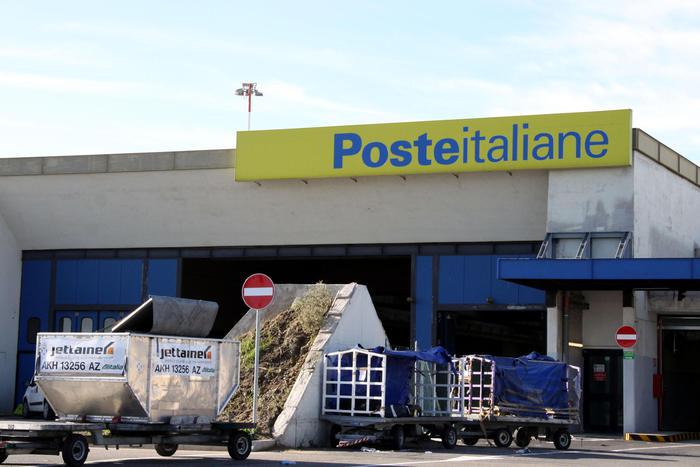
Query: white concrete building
point(83, 239)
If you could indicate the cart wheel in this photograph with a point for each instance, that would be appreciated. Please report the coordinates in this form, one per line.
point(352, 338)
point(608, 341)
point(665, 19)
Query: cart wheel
point(335, 430)
point(522, 437)
point(502, 437)
point(3, 455)
point(25, 409)
point(48, 412)
point(398, 437)
point(449, 437)
point(562, 440)
point(75, 450)
point(239, 445)
point(166, 449)
point(470, 440)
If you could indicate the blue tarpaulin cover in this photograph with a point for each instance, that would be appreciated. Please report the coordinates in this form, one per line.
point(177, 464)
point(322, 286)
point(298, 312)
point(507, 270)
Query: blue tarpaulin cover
point(399, 369)
point(533, 382)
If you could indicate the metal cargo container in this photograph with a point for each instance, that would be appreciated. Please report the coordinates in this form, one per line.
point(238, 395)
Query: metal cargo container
point(137, 377)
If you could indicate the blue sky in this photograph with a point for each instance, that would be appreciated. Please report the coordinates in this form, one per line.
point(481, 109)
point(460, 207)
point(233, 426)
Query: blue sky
point(80, 77)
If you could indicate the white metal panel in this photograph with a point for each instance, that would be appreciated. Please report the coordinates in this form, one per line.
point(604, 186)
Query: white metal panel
point(594, 200)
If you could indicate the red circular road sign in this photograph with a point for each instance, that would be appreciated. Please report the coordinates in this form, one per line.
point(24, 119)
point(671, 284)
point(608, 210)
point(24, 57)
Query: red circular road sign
point(626, 336)
point(258, 291)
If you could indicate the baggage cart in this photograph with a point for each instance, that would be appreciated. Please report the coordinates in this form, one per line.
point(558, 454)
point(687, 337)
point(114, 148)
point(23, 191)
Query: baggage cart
point(136, 387)
point(379, 395)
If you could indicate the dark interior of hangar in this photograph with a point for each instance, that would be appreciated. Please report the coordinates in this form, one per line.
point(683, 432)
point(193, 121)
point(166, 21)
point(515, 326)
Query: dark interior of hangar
point(388, 280)
point(681, 379)
point(493, 332)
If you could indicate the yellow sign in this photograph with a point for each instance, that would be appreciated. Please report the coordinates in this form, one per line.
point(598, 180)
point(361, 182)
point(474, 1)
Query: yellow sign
point(556, 141)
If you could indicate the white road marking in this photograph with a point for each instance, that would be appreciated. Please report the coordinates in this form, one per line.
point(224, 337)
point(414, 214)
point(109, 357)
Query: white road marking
point(665, 446)
point(135, 459)
point(475, 458)
point(438, 461)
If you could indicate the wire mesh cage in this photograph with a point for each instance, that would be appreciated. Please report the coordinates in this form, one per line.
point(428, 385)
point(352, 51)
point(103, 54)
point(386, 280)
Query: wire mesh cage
point(354, 383)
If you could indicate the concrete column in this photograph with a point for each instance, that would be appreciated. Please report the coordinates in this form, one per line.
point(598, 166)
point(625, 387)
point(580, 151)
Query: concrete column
point(640, 407)
point(575, 337)
point(10, 278)
point(628, 381)
point(554, 328)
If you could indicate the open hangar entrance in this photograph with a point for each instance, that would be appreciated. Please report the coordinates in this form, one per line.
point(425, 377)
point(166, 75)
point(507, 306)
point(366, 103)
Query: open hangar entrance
point(411, 285)
point(388, 279)
point(493, 332)
point(476, 313)
point(679, 373)
point(664, 371)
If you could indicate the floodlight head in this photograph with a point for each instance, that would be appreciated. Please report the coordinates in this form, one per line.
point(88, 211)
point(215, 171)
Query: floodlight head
point(258, 93)
point(240, 92)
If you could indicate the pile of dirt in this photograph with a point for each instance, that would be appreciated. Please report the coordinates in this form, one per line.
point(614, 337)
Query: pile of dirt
point(284, 342)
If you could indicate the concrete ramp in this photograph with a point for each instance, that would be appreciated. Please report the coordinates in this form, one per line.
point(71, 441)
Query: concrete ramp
point(351, 320)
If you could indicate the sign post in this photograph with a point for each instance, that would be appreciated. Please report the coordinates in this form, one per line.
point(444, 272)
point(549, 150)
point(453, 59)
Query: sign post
point(258, 291)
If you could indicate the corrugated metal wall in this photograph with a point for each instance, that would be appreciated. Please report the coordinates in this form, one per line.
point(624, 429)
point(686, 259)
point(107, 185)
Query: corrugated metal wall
point(76, 289)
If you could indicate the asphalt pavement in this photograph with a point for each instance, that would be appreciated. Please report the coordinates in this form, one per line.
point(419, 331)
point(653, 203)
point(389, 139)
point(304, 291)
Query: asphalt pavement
point(584, 451)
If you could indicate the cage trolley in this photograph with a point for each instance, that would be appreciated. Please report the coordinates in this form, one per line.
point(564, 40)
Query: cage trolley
point(388, 396)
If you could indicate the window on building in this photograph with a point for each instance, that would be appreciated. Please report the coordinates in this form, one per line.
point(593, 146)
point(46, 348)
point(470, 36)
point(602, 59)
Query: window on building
point(66, 324)
point(86, 325)
point(566, 248)
point(586, 245)
point(33, 325)
point(109, 323)
point(604, 247)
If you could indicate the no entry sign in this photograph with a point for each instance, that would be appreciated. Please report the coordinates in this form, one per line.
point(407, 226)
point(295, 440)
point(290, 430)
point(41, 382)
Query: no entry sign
point(258, 291)
point(626, 336)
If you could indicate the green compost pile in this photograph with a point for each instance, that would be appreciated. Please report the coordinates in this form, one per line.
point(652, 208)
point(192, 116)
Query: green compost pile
point(285, 341)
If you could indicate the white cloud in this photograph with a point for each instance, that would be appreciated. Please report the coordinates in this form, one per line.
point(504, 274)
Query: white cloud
point(66, 54)
point(577, 56)
point(261, 50)
point(68, 85)
point(292, 95)
point(101, 137)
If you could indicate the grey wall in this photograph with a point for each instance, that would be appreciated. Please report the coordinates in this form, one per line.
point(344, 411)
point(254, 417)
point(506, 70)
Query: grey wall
point(666, 207)
point(602, 319)
point(10, 277)
point(181, 208)
point(666, 224)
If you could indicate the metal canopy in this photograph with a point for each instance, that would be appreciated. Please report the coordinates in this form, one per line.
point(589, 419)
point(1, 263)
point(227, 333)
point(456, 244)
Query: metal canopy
point(602, 274)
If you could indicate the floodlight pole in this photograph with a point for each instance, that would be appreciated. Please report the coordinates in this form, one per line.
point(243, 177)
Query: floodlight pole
point(250, 107)
point(249, 89)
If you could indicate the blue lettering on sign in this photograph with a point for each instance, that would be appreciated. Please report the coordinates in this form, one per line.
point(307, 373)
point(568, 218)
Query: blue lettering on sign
point(382, 154)
point(400, 149)
point(476, 147)
point(340, 150)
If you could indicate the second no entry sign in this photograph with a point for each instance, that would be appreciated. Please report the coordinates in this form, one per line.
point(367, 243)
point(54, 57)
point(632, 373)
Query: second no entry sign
point(626, 336)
